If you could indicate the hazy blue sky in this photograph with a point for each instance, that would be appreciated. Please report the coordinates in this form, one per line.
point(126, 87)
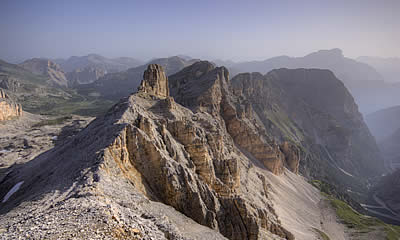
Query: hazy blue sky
point(227, 29)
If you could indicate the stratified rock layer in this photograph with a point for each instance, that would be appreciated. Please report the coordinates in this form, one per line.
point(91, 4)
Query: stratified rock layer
point(8, 108)
point(155, 82)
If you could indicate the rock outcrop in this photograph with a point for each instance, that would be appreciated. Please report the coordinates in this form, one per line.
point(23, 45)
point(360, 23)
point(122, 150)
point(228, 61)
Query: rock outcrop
point(8, 108)
point(46, 68)
point(155, 82)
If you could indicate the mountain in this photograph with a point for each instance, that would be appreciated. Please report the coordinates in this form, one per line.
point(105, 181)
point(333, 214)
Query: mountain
point(38, 93)
point(387, 194)
point(9, 109)
point(114, 86)
point(46, 68)
point(389, 68)
point(86, 75)
point(198, 155)
point(94, 60)
point(346, 69)
point(331, 118)
point(384, 123)
point(364, 82)
point(390, 148)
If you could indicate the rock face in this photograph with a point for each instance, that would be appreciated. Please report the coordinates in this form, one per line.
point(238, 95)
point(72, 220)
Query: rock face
point(154, 81)
point(336, 122)
point(8, 108)
point(312, 117)
point(204, 88)
point(46, 68)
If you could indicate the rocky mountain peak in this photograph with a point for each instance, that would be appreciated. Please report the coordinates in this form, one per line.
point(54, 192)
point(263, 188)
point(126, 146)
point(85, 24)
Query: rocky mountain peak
point(155, 81)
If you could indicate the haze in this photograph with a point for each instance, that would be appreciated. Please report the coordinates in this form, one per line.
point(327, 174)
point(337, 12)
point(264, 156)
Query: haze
point(236, 30)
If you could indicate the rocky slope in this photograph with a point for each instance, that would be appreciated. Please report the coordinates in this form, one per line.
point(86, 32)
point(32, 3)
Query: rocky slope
point(8, 108)
point(46, 68)
point(188, 152)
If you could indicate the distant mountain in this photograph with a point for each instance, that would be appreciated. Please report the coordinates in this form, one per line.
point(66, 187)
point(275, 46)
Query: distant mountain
point(388, 67)
point(346, 69)
point(85, 75)
point(46, 68)
point(94, 60)
point(37, 93)
point(114, 86)
point(390, 147)
point(384, 123)
point(185, 57)
point(364, 82)
point(385, 126)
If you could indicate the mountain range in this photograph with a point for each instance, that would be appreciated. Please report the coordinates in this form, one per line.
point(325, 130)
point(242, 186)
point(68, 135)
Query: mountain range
point(94, 60)
point(200, 154)
point(366, 84)
point(388, 67)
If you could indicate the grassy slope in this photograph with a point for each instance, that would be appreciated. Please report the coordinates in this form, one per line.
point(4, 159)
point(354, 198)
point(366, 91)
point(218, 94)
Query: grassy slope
point(362, 224)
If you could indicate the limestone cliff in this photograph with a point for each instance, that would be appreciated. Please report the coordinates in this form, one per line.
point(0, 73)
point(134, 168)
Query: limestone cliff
point(311, 113)
point(155, 82)
point(8, 108)
point(46, 68)
point(204, 88)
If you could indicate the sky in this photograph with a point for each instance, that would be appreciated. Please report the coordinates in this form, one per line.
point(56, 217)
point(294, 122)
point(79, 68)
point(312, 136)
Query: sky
point(208, 29)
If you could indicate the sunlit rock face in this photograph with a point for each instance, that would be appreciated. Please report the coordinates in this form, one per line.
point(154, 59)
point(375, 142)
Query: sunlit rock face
point(155, 82)
point(8, 108)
